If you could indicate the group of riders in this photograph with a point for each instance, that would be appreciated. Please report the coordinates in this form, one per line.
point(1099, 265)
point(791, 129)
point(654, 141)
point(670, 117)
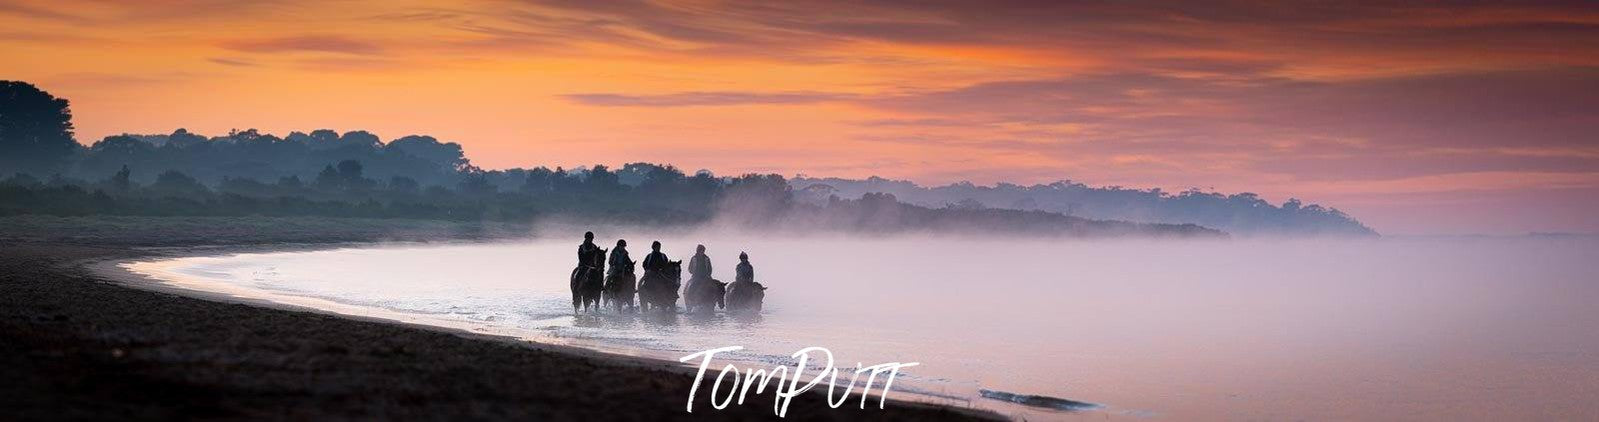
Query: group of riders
point(610, 282)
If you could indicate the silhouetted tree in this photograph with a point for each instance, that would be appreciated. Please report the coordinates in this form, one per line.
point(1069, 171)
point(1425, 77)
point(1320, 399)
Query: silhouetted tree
point(755, 199)
point(447, 156)
point(328, 179)
point(122, 181)
point(563, 182)
point(602, 180)
point(351, 176)
point(476, 183)
point(35, 129)
point(175, 183)
point(539, 181)
point(403, 185)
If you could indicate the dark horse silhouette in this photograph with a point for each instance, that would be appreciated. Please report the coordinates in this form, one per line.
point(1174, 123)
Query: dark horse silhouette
point(588, 280)
point(658, 289)
point(620, 287)
point(704, 295)
point(745, 296)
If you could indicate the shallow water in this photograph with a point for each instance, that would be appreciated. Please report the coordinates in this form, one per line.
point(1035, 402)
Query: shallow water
point(1357, 329)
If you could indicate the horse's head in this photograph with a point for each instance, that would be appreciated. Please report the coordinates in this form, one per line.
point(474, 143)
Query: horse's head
point(675, 269)
point(599, 258)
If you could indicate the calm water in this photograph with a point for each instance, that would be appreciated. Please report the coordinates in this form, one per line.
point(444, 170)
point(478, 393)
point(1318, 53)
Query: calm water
point(1499, 329)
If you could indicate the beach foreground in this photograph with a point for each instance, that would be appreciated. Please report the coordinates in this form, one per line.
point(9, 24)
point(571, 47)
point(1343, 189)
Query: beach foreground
point(75, 346)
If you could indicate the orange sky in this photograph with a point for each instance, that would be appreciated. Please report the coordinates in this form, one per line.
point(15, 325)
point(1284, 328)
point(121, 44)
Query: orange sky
point(1415, 119)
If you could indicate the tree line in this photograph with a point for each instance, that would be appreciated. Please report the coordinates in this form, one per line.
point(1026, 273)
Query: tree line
point(357, 174)
point(1240, 213)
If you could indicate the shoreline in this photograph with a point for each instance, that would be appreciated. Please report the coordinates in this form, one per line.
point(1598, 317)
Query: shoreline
point(112, 270)
point(179, 344)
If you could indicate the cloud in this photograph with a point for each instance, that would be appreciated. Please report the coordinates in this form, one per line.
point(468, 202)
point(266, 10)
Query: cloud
point(304, 43)
point(24, 10)
point(1406, 126)
point(104, 80)
point(706, 98)
point(924, 122)
point(110, 13)
point(346, 64)
point(1106, 28)
point(43, 37)
point(229, 61)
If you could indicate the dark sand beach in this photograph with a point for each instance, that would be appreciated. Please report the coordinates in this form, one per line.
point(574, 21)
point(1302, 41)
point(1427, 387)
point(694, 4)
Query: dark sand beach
point(75, 345)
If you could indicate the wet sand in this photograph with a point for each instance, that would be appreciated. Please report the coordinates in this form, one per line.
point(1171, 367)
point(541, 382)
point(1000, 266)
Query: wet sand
point(75, 345)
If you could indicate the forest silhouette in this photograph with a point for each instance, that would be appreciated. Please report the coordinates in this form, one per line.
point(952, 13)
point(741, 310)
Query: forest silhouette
point(356, 174)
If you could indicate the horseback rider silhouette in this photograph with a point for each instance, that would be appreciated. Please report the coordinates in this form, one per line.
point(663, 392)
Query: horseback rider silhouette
point(656, 261)
point(744, 271)
point(699, 265)
point(702, 292)
point(744, 294)
point(588, 279)
point(620, 263)
point(586, 251)
point(620, 285)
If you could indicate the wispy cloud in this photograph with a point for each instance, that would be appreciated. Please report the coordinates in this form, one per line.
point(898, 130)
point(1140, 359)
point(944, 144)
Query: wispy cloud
point(230, 61)
point(36, 12)
point(713, 98)
point(304, 43)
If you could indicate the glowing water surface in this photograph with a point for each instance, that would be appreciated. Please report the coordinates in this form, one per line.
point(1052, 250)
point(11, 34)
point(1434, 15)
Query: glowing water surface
point(1356, 329)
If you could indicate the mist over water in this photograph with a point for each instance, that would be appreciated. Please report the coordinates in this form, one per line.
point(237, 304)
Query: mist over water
point(1488, 328)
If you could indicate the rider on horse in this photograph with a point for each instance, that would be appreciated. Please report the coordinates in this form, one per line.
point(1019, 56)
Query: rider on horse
point(702, 292)
point(656, 261)
point(620, 263)
point(586, 251)
point(699, 265)
point(588, 280)
point(744, 272)
point(744, 294)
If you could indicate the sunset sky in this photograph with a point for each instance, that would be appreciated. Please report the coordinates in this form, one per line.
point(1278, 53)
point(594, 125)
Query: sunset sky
point(1415, 117)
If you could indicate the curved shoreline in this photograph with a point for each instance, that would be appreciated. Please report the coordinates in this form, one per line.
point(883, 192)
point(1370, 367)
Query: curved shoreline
point(77, 343)
point(114, 270)
point(107, 267)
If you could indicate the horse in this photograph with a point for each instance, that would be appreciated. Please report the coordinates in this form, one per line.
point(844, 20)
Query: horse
point(658, 289)
point(588, 280)
point(620, 287)
point(744, 296)
point(704, 295)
